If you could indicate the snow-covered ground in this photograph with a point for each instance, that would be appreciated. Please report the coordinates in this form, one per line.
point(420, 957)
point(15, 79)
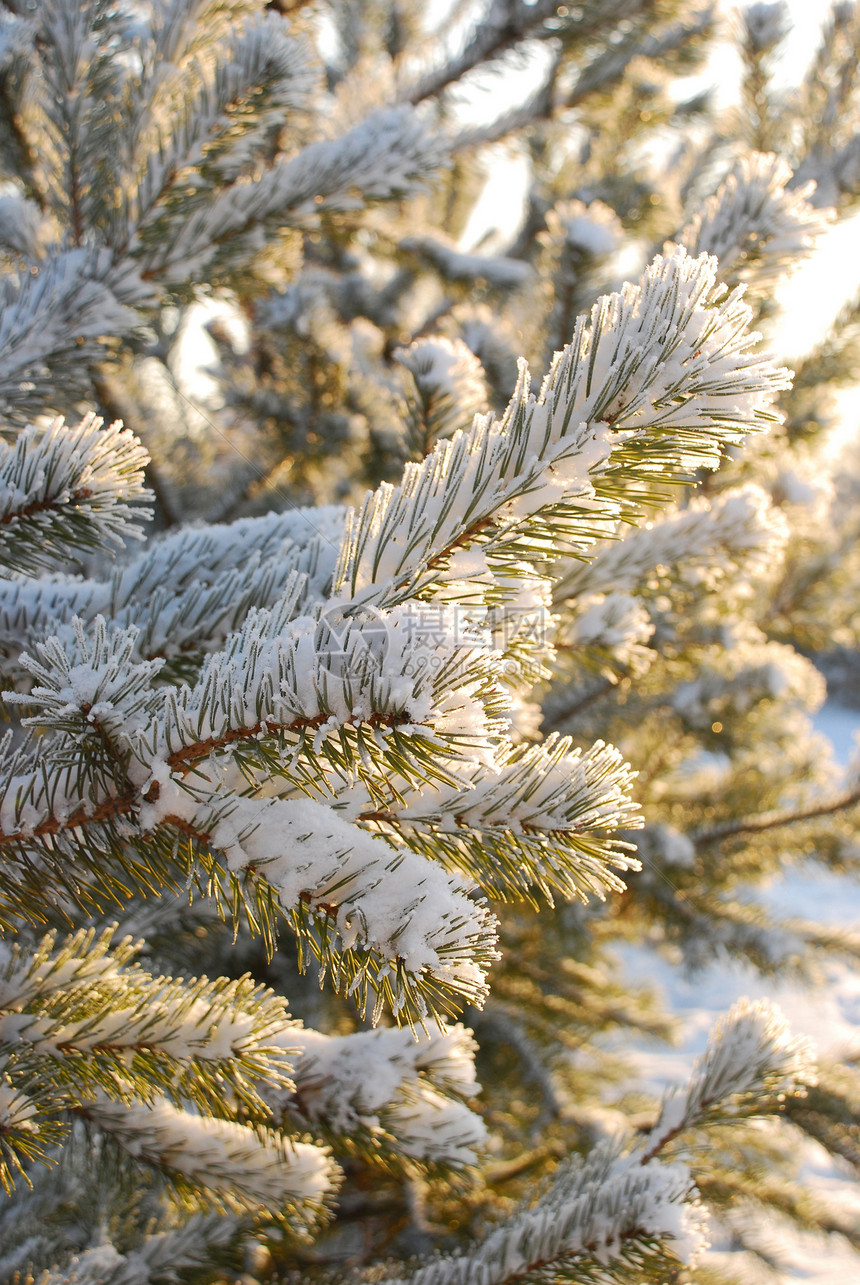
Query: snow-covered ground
point(829, 1014)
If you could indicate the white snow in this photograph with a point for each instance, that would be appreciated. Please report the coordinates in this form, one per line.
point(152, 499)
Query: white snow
point(425, 917)
point(244, 1166)
point(407, 1086)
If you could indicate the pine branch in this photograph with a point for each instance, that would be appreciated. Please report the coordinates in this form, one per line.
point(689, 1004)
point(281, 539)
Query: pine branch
point(601, 1218)
point(736, 527)
point(619, 1208)
point(763, 30)
point(542, 819)
point(508, 23)
point(346, 696)
point(758, 224)
point(63, 490)
point(260, 74)
point(775, 820)
point(195, 1245)
point(79, 80)
point(450, 390)
point(750, 1053)
point(652, 387)
point(390, 1093)
point(606, 70)
point(414, 944)
point(225, 1165)
point(81, 1020)
point(387, 157)
point(161, 775)
point(180, 593)
point(53, 328)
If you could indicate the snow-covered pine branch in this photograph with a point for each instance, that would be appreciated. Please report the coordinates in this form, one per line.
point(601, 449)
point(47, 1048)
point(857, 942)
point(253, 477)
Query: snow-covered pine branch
point(602, 1218)
point(80, 1018)
point(210, 121)
point(378, 701)
point(156, 167)
point(154, 760)
point(758, 224)
point(608, 632)
point(402, 1093)
point(505, 25)
point(632, 42)
point(64, 490)
point(652, 387)
point(624, 1207)
point(341, 694)
point(455, 265)
point(222, 1163)
point(713, 535)
point(751, 1056)
point(186, 592)
point(53, 323)
point(450, 389)
point(388, 156)
point(76, 88)
point(414, 944)
point(541, 819)
point(193, 1245)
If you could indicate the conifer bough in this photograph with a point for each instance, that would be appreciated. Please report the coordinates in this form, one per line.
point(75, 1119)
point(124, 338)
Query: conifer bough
point(316, 723)
point(350, 698)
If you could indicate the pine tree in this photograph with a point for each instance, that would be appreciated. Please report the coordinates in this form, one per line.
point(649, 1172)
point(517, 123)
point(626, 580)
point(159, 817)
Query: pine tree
point(440, 744)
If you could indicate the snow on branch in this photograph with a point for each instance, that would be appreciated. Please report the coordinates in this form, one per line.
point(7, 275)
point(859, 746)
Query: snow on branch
point(450, 385)
point(738, 525)
point(221, 116)
point(596, 1212)
point(80, 146)
point(89, 688)
point(403, 1091)
point(751, 1059)
point(655, 383)
point(221, 1163)
point(409, 942)
point(53, 325)
point(282, 697)
point(388, 156)
point(81, 1018)
point(422, 921)
point(87, 995)
point(499, 271)
point(191, 1245)
point(541, 818)
point(390, 924)
point(398, 692)
point(622, 1200)
point(186, 591)
point(608, 631)
point(758, 226)
point(64, 489)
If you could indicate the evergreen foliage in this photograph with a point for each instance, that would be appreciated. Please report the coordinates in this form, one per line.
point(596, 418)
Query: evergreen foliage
point(451, 680)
